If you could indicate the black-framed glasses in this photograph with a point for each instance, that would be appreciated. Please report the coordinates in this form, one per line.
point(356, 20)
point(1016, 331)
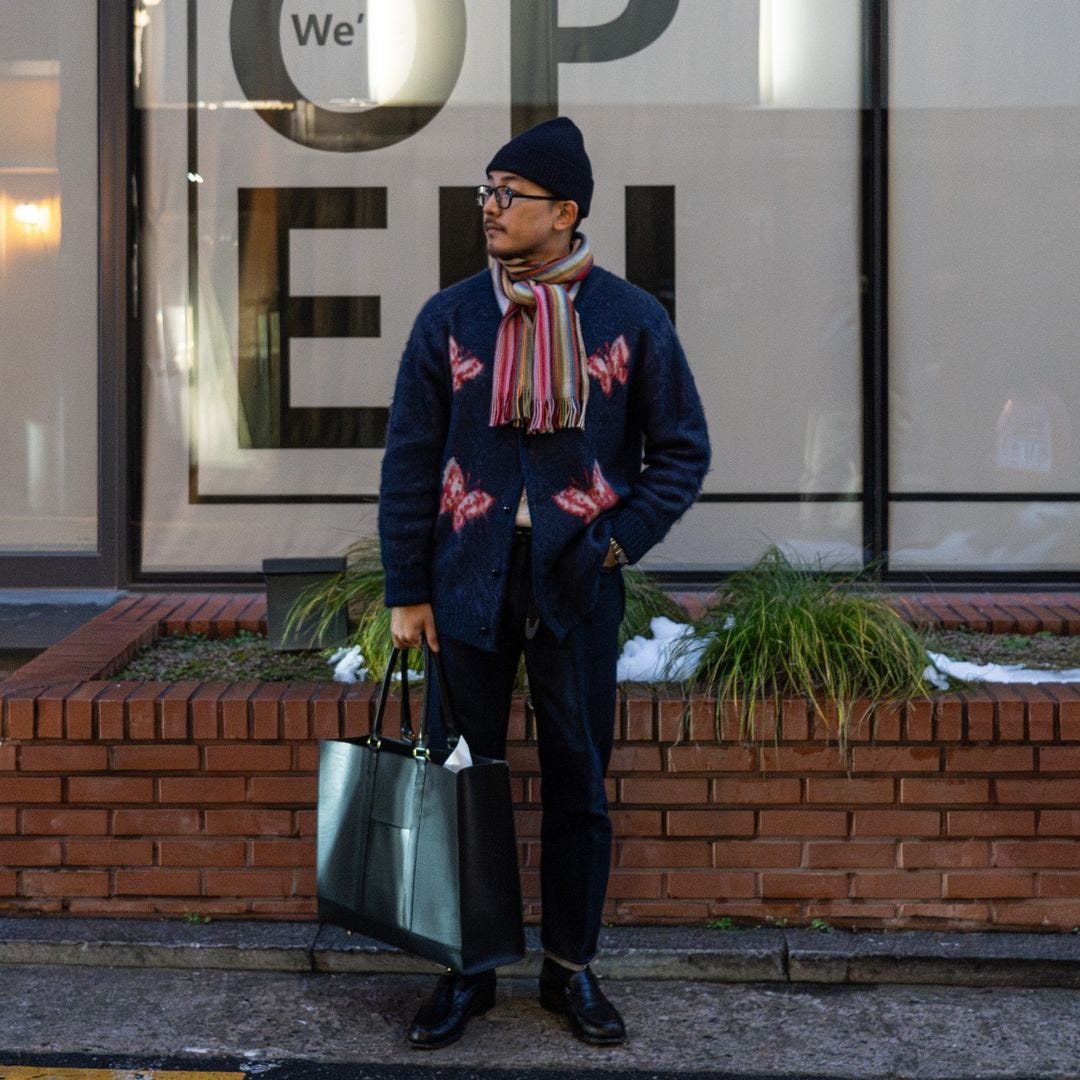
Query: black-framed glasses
point(504, 196)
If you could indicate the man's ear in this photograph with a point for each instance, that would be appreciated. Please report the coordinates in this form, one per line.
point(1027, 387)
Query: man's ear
point(567, 214)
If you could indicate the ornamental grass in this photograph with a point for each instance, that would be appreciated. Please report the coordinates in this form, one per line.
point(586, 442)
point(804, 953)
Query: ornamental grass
point(645, 600)
point(781, 630)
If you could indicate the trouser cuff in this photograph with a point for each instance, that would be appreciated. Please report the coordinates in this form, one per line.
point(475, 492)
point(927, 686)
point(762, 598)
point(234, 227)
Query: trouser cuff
point(564, 963)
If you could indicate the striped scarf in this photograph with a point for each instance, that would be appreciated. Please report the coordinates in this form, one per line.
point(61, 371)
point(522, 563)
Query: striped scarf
point(540, 379)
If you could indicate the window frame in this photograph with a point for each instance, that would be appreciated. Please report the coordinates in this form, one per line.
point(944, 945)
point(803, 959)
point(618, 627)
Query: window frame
point(109, 564)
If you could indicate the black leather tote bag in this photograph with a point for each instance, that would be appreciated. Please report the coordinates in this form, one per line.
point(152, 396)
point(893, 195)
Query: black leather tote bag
point(414, 854)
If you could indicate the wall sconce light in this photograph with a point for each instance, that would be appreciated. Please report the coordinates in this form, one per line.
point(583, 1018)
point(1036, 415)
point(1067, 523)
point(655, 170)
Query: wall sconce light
point(32, 216)
point(28, 226)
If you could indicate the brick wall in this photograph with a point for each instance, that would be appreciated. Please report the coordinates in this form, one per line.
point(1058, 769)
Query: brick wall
point(143, 798)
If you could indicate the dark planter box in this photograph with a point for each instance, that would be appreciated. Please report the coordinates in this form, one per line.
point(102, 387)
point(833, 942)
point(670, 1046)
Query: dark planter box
point(286, 580)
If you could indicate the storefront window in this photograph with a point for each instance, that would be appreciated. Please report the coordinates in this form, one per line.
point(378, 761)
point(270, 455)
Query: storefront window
point(306, 185)
point(48, 277)
point(984, 325)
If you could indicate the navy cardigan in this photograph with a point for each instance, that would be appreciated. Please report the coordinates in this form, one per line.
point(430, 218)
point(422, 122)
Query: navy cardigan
point(451, 483)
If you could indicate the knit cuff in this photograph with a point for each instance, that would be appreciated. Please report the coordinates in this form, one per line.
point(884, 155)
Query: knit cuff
point(401, 589)
point(633, 535)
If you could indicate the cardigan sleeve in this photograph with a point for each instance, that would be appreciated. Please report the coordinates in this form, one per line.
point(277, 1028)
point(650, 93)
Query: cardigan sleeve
point(675, 441)
point(410, 486)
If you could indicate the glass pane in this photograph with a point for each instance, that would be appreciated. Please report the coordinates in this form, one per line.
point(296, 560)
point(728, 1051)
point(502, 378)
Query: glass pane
point(328, 167)
point(1041, 535)
point(725, 536)
point(48, 276)
point(984, 321)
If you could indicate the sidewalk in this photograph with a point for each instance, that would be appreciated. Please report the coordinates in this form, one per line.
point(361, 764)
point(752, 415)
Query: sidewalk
point(770, 1003)
point(693, 954)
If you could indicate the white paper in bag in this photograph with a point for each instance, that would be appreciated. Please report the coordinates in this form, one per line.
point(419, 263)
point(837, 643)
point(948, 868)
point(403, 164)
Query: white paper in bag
point(460, 758)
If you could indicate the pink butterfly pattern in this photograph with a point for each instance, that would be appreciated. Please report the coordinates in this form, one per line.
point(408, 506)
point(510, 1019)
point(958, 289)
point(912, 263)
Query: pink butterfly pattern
point(463, 505)
point(463, 365)
point(608, 365)
point(587, 503)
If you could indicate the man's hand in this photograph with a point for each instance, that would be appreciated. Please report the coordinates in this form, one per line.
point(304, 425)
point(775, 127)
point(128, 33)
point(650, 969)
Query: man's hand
point(408, 623)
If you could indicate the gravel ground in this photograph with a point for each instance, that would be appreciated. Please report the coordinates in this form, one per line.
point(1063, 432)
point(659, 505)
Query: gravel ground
point(248, 656)
point(1043, 650)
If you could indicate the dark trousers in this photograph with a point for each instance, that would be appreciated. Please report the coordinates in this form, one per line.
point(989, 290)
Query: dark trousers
point(572, 689)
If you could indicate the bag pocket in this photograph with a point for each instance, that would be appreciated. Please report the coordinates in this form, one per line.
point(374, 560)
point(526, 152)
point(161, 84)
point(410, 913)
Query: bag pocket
point(390, 864)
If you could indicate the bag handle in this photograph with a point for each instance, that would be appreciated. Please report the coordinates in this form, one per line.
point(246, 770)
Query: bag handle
point(432, 664)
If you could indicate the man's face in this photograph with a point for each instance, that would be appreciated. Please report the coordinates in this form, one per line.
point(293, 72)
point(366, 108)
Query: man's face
point(533, 230)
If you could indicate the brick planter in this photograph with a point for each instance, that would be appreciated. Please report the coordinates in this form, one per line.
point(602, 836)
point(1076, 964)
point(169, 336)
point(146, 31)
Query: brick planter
point(127, 798)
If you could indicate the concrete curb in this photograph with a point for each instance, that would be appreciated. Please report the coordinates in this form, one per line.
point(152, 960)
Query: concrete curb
point(769, 955)
point(976, 959)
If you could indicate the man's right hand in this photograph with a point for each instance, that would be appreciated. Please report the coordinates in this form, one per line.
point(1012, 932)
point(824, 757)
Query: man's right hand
point(408, 623)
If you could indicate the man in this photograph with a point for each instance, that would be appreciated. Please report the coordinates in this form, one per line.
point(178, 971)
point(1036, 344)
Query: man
point(545, 432)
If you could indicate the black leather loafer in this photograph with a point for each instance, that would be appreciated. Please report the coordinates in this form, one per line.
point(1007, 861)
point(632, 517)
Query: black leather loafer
point(577, 994)
point(442, 1018)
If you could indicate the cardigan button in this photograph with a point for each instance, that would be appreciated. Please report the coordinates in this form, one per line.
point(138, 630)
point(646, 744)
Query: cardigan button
point(496, 572)
point(483, 630)
point(506, 509)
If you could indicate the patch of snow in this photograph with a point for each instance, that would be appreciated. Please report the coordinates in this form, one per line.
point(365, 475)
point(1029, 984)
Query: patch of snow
point(348, 665)
point(993, 673)
point(934, 677)
point(669, 654)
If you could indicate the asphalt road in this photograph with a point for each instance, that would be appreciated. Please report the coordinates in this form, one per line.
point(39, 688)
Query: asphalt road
point(90, 1067)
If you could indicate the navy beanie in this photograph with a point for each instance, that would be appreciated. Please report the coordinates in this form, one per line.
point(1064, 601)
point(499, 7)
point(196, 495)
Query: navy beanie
point(552, 154)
